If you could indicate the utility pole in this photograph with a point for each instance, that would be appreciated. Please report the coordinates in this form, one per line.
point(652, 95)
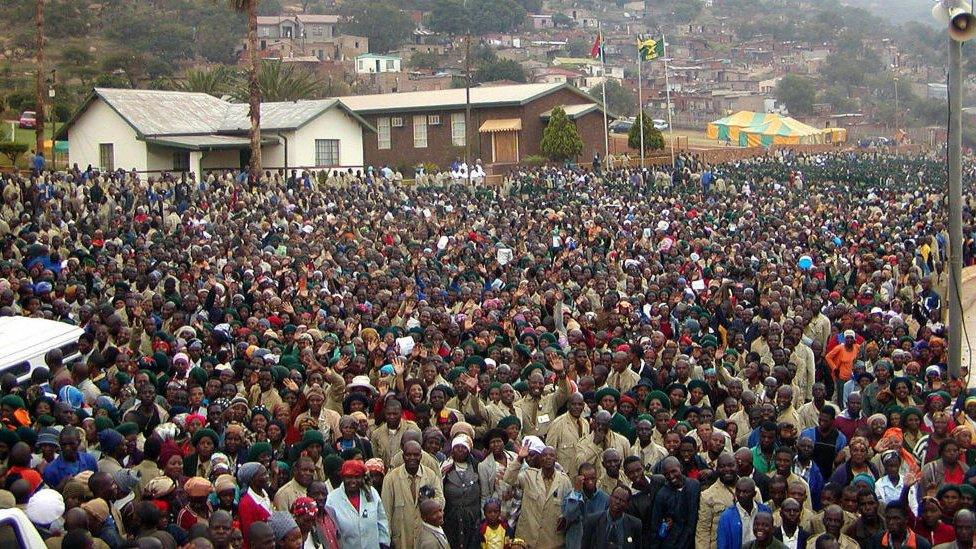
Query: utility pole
point(467, 102)
point(955, 208)
point(39, 76)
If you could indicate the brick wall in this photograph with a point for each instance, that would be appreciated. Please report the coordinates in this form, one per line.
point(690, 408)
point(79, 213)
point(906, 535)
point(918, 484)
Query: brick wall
point(441, 151)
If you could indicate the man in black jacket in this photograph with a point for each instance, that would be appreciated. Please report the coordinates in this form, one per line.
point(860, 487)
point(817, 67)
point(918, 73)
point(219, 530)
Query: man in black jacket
point(675, 512)
point(613, 527)
point(790, 528)
point(643, 491)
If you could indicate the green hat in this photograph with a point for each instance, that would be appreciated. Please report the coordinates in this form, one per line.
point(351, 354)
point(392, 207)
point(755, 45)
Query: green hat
point(310, 437)
point(659, 396)
point(8, 437)
point(331, 464)
point(549, 338)
point(615, 342)
point(289, 329)
point(46, 420)
point(506, 421)
point(259, 448)
point(13, 401)
point(523, 350)
point(131, 428)
point(732, 353)
point(473, 359)
point(607, 391)
point(199, 375)
point(201, 433)
point(520, 386)
point(531, 367)
point(454, 373)
point(620, 425)
point(911, 411)
point(279, 373)
point(708, 340)
point(699, 384)
point(448, 391)
point(102, 423)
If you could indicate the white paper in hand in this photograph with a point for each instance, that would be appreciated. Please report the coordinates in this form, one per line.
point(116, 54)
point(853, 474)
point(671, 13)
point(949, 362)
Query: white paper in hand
point(504, 255)
point(405, 344)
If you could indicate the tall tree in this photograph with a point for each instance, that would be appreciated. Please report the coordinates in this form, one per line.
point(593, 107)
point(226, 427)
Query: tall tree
point(620, 100)
point(653, 140)
point(250, 7)
point(797, 93)
point(39, 83)
point(385, 24)
point(560, 140)
point(210, 81)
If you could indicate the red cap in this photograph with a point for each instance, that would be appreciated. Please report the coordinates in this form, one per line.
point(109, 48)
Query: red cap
point(353, 468)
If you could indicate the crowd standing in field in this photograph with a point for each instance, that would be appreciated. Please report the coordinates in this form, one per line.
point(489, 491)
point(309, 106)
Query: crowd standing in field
point(750, 354)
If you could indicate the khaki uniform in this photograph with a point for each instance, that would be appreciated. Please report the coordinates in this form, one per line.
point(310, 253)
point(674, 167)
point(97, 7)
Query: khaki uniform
point(846, 542)
point(538, 413)
point(650, 454)
point(401, 503)
point(606, 484)
point(287, 495)
point(386, 444)
point(564, 433)
point(588, 451)
point(432, 538)
point(471, 406)
point(623, 381)
point(426, 460)
point(806, 369)
point(269, 399)
point(541, 505)
point(108, 464)
point(790, 416)
point(498, 411)
point(147, 471)
point(714, 501)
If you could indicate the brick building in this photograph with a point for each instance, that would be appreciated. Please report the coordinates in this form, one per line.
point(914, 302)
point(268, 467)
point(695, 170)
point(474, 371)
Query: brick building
point(506, 123)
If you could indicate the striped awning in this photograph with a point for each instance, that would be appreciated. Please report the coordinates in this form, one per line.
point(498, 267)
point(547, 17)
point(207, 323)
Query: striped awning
point(501, 125)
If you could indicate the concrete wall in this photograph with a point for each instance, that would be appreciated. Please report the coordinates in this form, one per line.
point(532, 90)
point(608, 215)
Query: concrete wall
point(101, 124)
point(335, 123)
point(221, 159)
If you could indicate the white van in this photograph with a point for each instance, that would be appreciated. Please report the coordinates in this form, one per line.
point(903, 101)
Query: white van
point(24, 342)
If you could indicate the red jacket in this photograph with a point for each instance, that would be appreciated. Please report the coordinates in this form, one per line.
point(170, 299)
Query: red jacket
point(250, 511)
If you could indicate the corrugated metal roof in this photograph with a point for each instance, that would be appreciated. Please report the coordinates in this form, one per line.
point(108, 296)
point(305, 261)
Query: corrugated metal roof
point(482, 95)
point(574, 111)
point(275, 116)
point(304, 18)
point(208, 141)
point(155, 112)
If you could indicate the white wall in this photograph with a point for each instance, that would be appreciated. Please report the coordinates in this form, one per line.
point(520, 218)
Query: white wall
point(101, 124)
point(335, 123)
point(221, 159)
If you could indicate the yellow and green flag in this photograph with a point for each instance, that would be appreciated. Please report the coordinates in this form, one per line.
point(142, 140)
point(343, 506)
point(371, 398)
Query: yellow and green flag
point(650, 48)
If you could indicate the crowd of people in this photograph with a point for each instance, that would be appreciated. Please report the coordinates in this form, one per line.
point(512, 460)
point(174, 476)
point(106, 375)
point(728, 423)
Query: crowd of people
point(750, 354)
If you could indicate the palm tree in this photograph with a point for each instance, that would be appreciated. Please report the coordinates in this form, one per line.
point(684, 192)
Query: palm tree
point(250, 7)
point(39, 82)
point(280, 81)
point(215, 81)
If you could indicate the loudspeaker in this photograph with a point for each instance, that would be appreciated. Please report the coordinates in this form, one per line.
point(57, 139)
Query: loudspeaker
point(962, 24)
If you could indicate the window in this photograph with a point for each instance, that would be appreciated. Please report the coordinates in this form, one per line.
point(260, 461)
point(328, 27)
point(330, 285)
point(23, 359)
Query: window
point(390, 65)
point(181, 161)
point(326, 152)
point(360, 64)
point(383, 133)
point(106, 156)
point(396, 122)
point(434, 120)
point(420, 131)
point(458, 129)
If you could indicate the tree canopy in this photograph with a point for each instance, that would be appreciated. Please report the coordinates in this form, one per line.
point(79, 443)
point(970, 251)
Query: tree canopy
point(477, 17)
point(502, 69)
point(620, 100)
point(797, 93)
point(386, 26)
point(653, 140)
point(560, 140)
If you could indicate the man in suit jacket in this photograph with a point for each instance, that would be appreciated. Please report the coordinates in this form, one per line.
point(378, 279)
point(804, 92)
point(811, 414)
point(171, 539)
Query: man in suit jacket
point(431, 534)
point(613, 527)
point(789, 513)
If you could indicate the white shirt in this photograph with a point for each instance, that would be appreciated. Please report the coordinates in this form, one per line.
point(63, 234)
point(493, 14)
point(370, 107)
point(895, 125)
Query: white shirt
point(888, 491)
point(791, 542)
point(746, 519)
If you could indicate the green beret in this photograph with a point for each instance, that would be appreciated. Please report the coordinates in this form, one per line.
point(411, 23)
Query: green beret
point(331, 464)
point(708, 341)
point(289, 329)
point(732, 353)
point(448, 391)
point(258, 448)
point(103, 422)
point(12, 401)
point(506, 421)
point(279, 373)
point(523, 350)
point(520, 386)
point(549, 338)
point(495, 385)
point(911, 411)
point(311, 436)
point(123, 378)
point(903, 339)
point(8, 437)
point(199, 375)
point(660, 397)
point(615, 342)
point(131, 428)
point(607, 391)
point(200, 434)
point(699, 384)
point(620, 425)
point(28, 435)
point(282, 466)
point(454, 373)
point(469, 343)
point(531, 367)
point(473, 359)
point(645, 417)
point(46, 420)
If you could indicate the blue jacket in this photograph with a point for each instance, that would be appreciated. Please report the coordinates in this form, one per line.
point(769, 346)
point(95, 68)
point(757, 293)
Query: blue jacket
point(577, 507)
point(730, 527)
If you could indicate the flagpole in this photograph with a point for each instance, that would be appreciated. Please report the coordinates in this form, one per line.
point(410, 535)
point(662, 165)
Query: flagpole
point(667, 91)
point(640, 103)
point(606, 123)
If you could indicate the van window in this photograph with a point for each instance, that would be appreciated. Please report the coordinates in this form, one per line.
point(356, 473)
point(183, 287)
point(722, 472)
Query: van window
point(19, 369)
point(69, 349)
